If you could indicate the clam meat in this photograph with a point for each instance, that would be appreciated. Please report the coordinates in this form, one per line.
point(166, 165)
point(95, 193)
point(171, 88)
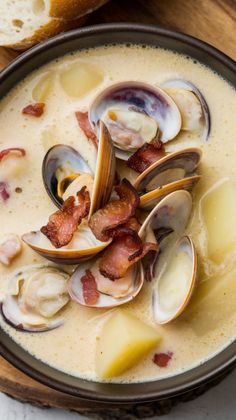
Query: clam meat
point(34, 297)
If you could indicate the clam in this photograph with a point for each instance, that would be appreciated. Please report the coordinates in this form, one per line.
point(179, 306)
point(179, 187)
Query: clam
point(61, 166)
point(83, 246)
point(66, 172)
point(193, 107)
point(166, 222)
point(110, 293)
point(173, 172)
point(34, 297)
point(174, 284)
point(135, 113)
point(173, 270)
point(68, 162)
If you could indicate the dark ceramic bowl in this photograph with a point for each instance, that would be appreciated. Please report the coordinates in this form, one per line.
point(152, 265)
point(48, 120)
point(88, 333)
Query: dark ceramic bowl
point(22, 66)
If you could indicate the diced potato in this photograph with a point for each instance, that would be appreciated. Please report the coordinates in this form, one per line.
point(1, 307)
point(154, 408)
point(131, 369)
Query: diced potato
point(123, 342)
point(213, 303)
point(43, 88)
point(48, 139)
point(79, 79)
point(12, 167)
point(218, 213)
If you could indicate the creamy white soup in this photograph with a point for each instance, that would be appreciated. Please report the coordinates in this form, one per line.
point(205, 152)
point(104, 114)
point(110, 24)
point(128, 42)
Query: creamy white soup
point(70, 84)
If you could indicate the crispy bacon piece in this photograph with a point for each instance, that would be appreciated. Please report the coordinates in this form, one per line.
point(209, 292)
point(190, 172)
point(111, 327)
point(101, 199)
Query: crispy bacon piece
point(162, 359)
point(133, 224)
point(9, 249)
point(146, 155)
point(64, 222)
point(89, 286)
point(125, 251)
point(36, 110)
point(17, 151)
point(4, 191)
point(82, 118)
point(115, 213)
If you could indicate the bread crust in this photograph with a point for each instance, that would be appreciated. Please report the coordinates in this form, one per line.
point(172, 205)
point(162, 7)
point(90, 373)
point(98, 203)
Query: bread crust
point(53, 27)
point(72, 9)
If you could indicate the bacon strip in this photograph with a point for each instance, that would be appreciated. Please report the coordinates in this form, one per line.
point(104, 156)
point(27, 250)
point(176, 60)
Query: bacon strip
point(162, 359)
point(146, 156)
point(63, 223)
point(115, 213)
point(89, 286)
point(82, 118)
point(17, 151)
point(4, 191)
point(133, 224)
point(125, 251)
point(36, 110)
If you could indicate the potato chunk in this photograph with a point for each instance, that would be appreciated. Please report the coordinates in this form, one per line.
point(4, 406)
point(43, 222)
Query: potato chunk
point(123, 342)
point(79, 79)
point(213, 303)
point(43, 88)
point(218, 213)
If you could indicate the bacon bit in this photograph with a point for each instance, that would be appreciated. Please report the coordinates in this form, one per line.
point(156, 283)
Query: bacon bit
point(82, 118)
point(17, 151)
point(133, 224)
point(162, 359)
point(146, 155)
point(4, 191)
point(36, 110)
point(90, 291)
point(125, 251)
point(9, 249)
point(115, 213)
point(63, 223)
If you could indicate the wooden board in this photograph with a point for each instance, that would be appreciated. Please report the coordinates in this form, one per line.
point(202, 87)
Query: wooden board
point(211, 20)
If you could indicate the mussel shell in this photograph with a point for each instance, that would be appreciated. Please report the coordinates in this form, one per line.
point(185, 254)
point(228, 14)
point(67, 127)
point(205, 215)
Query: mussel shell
point(187, 159)
point(105, 301)
point(147, 98)
point(164, 315)
point(55, 158)
point(186, 84)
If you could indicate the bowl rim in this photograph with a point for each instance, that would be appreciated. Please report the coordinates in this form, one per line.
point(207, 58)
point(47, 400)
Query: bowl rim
point(17, 361)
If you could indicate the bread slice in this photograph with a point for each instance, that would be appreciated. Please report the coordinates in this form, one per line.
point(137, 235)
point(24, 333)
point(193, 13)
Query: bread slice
point(69, 9)
point(24, 23)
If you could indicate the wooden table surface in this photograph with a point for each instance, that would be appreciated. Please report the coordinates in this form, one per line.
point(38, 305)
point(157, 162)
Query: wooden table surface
point(213, 21)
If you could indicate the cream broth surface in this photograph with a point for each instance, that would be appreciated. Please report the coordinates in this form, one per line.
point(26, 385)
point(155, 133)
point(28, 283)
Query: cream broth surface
point(209, 323)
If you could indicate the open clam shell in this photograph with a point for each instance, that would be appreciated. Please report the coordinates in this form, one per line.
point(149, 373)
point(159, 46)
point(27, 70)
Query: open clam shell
point(63, 167)
point(174, 285)
point(150, 199)
point(83, 246)
point(171, 173)
point(35, 295)
point(172, 213)
point(165, 224)
point(111, 293)
point(135, 107)
point(104, 171)
point(61, 163)
point(192, 105)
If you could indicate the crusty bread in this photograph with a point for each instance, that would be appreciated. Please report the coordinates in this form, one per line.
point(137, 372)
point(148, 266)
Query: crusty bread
point(24, 23)
point(69, 9)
